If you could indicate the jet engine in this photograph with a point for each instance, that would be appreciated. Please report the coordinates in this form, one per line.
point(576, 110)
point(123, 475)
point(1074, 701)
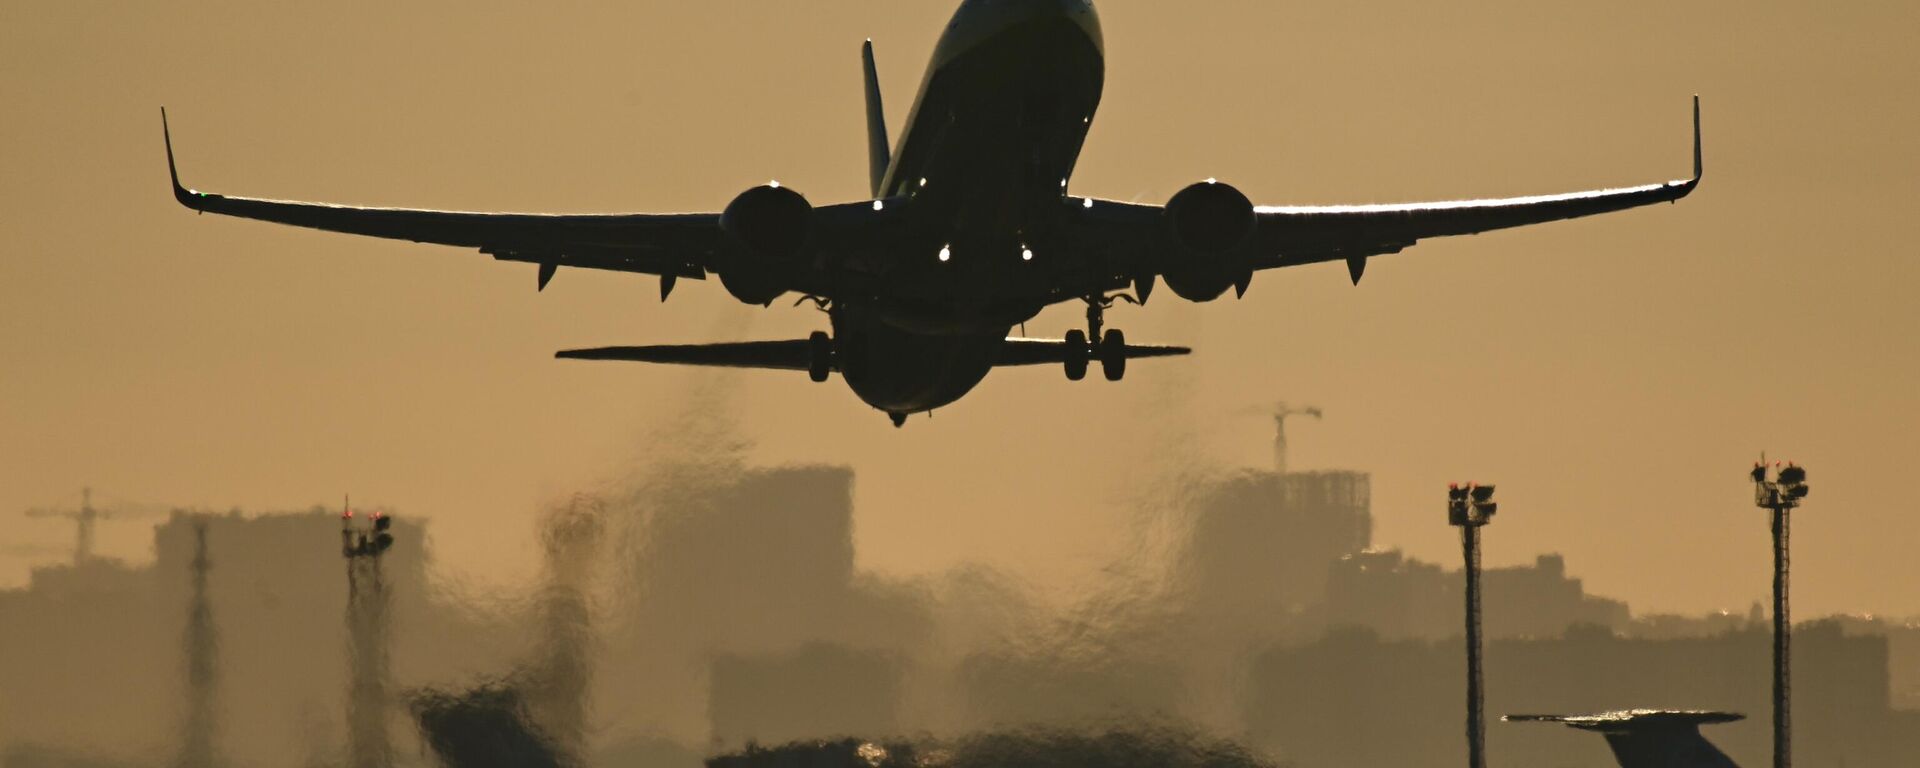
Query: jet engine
point(1210, 221)
point(765, 228)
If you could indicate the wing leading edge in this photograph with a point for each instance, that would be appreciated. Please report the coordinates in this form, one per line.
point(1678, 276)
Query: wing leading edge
point(670, 245)
point(1293, 235)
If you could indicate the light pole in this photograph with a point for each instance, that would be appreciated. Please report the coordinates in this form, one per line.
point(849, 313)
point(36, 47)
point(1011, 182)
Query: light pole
point(1780, 496)
point(203, 666)
point(363, 546)
point(1469, 507)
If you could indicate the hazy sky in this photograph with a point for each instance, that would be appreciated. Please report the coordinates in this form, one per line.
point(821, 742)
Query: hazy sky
point(1614, 375)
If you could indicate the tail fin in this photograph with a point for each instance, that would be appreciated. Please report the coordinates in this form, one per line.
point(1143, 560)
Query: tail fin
point(1646, 738)
point(878, 152)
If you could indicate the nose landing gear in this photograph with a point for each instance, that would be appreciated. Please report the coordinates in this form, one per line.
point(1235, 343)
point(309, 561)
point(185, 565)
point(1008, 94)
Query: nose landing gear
point(1110, 349)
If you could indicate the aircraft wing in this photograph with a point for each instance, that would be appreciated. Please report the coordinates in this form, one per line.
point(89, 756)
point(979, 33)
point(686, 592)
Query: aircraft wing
point(1292, 235)
point(670, 245)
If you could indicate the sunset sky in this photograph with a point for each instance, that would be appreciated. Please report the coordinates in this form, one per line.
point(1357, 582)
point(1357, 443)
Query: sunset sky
point(1615, 376)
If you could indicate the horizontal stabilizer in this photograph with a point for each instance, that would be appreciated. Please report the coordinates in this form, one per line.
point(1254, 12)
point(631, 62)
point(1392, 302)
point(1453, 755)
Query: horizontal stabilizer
point(795, 355)
point(1017, 351)
point(779, 355)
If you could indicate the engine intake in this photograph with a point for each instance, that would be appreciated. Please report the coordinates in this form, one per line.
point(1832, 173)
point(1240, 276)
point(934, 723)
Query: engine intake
point(766, 229)
point(1210, 221)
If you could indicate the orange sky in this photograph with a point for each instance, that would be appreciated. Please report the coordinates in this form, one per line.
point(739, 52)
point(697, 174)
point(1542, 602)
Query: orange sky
point(1614, 375)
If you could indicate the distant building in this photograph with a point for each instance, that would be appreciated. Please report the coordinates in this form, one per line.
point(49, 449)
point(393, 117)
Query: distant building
point(1399, 597)
point(742, 579)
point(1001, 690)
point(83, 578)
point(750, 560)
point(1261, 541)
point(1671, 626)
point(817, 692)
point(93, 655)
point(1393, 595)
point(1903, 653)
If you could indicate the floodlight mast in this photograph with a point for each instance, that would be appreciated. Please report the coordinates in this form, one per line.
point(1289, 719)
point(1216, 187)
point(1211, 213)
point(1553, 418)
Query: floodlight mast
point(362, 545)
point(1780, 495)
point(1470, 507)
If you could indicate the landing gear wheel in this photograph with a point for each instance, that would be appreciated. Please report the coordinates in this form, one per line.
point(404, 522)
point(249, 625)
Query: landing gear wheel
point(1113, 355)
point(899, 419)
point(819, 355)
point(1076, 355)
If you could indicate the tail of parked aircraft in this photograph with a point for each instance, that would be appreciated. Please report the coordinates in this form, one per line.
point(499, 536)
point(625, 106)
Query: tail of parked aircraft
point(1647, 738)
point(878, 153)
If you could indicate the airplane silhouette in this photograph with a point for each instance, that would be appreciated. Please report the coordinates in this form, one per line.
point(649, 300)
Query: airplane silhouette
point(970, 231)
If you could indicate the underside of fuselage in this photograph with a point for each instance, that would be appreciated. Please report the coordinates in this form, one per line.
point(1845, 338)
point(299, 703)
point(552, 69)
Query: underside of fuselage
point(989, 146)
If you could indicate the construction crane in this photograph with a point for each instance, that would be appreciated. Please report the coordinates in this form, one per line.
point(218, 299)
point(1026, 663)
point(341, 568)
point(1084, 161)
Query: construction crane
point(1280, 413)
point(87, 515)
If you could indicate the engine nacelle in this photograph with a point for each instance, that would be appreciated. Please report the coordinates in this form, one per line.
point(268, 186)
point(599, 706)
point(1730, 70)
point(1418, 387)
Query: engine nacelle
point(1210, 221)
point(766, 229)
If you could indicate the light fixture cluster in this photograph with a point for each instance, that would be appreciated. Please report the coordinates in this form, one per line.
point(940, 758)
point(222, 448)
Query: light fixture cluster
point(1470, 504)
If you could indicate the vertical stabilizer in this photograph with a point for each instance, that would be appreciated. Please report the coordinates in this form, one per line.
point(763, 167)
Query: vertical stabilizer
point(1647, 738)
point(878, 153)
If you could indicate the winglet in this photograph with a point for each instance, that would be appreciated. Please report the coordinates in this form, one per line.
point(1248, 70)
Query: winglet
point(180, 193)
point(1698, 167)
point(878, 154)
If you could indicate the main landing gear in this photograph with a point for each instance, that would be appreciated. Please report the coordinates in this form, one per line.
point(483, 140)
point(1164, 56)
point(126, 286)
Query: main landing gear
point(819, 355)
point(1110, 349)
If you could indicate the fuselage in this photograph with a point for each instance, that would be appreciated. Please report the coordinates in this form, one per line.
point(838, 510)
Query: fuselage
point(984, 160)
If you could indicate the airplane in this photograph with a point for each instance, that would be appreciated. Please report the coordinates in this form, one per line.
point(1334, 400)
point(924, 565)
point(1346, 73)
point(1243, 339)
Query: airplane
point(970, 231)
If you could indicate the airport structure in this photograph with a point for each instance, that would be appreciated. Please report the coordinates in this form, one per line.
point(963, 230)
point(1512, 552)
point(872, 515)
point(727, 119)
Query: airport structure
point(1470, 508)
point(198, 745)
point(363, 547)
point(1779, 495)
